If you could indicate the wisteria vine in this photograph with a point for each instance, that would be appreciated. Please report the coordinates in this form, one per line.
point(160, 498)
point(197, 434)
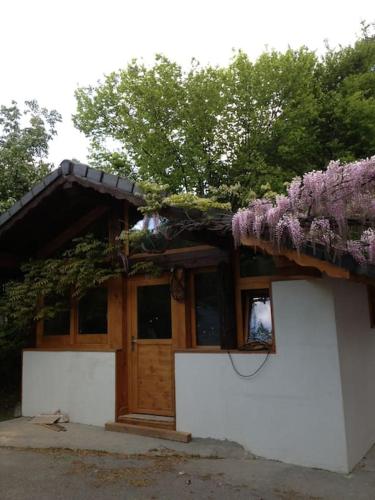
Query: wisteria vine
point(333, 209)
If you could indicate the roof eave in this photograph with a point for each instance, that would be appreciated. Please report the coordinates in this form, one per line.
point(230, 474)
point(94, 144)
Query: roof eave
point(73, 172)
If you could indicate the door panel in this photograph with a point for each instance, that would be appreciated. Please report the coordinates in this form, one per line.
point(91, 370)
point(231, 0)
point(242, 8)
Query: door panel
point(154, 363)
point(150, 376)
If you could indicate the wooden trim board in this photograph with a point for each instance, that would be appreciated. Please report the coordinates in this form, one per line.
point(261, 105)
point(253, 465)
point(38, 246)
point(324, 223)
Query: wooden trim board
point(170, 434)
point(158, 421)
point(301, 259)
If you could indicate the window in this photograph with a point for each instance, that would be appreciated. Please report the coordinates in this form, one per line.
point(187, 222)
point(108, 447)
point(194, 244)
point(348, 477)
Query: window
point(92, 312)
point(154, 312)
point(206, 315)
point(76, 323)
point(59, 324)
point(257, 320)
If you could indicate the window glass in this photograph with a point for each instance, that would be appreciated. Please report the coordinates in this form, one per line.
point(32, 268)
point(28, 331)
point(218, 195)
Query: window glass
point(207, 309)
point(258, 316)
point(92, 312)
point(154, 312)
point(255, 264)
point(60, 323)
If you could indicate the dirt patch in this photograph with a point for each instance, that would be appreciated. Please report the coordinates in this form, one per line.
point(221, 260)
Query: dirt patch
point(135, 474)
point(164, 453)
point(293, 495)
point(211, 476)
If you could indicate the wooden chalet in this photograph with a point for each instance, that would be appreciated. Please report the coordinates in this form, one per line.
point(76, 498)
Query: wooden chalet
point(261, 347)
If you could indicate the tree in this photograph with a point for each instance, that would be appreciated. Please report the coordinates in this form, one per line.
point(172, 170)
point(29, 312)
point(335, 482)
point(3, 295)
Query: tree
point(347, 119)
point(24, 139)
point(235, 131)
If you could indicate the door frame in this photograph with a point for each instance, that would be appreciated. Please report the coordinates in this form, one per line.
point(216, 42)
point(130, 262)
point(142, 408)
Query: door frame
point(178, 339)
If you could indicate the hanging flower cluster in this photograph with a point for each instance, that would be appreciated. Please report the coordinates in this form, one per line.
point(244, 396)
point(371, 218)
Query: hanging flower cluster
point(334, 208)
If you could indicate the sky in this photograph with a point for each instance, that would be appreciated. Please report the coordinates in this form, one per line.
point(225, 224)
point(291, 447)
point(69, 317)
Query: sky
point(50, 47)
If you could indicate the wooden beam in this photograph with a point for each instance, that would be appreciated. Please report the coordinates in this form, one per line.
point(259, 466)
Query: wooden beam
point(301, 259)
point(188, 257)
point(171, 435)
point(115, 312)
point(72, 231)
point(173, 251)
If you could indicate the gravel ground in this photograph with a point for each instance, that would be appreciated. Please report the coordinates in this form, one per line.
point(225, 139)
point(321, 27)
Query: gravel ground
point(87, 462)
point(53, 473)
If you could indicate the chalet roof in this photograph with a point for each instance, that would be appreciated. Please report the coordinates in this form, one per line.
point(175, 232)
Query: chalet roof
point(79, 173)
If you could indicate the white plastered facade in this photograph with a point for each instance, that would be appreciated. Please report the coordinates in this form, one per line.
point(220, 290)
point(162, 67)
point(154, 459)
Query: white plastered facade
point(313, 401)
point(81, 384)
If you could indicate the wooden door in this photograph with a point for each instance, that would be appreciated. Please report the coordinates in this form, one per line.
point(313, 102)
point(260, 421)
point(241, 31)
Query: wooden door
point(150, 344)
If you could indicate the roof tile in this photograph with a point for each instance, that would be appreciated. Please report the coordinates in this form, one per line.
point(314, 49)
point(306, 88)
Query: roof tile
point(80, 169)
point(4, 217)
point(94, 175)
point(66, 167)
point(125, 185)
point(37, 188)
point(110, 179)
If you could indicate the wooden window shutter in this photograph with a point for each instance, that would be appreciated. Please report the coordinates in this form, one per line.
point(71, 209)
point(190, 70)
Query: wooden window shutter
point(226, 296)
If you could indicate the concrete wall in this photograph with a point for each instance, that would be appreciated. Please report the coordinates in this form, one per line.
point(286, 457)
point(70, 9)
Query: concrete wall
point(81, 384)
point(356, 342)
point(293, 409)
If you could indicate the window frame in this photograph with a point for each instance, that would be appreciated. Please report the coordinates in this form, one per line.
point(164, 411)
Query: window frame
point(245, 315)
point(74, 338)
point(94, 337)
point(54, 340)
point(193, 316)
point(252, 283)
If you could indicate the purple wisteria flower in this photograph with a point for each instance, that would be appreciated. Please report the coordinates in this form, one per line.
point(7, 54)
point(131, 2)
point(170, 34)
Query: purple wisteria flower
point(322, 207)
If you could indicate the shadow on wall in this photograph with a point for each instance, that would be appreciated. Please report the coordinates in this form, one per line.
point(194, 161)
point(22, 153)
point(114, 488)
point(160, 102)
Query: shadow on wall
point(10, 376)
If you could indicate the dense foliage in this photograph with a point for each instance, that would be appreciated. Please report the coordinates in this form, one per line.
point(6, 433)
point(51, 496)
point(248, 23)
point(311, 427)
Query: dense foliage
point(157, 197)
point(333, 208)
point(24, 139)
point(237, 130)
point(88, 263)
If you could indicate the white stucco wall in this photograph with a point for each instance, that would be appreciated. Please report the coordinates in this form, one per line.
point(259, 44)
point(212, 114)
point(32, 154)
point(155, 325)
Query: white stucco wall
point(293, 409)
point(356, 342)
point(81, 384)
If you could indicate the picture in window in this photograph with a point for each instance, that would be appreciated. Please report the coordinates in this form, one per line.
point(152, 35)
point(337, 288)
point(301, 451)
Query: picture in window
point(258, 316)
